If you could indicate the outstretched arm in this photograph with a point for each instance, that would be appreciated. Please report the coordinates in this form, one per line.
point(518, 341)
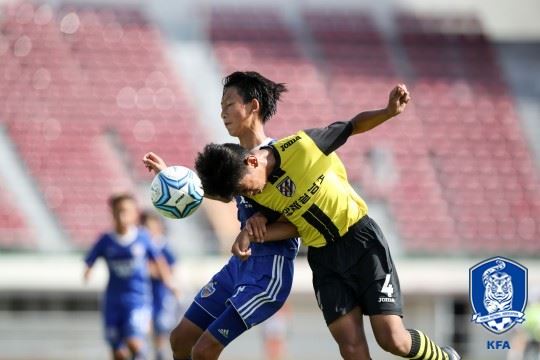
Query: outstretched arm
point(367, 120)
point(330, 138)
point(164, 271)
point(153, 162)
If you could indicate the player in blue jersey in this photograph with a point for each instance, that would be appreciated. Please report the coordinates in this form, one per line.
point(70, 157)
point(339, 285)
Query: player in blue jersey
point(127, 250)
point(243, 293)
point(164, 302)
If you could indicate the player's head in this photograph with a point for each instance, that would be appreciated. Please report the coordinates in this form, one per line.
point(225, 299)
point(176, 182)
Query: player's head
point(124, 210)
point(153, 222)
point(227, 170)
point(248, 97)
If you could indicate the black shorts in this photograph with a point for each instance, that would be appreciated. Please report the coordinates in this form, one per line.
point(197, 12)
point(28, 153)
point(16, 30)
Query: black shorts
point(356, 270)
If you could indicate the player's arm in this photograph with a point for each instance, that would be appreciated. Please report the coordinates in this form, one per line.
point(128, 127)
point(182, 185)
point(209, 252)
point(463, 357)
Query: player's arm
point(277, 231)
point(155, 163)
point(260, 231)
point(164, 272)
point(367, 120)
point(95, 252)
point(330, 138)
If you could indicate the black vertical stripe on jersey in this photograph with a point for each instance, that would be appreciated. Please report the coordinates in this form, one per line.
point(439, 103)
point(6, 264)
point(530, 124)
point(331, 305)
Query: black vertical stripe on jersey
point(320, 221)
point(322, 217)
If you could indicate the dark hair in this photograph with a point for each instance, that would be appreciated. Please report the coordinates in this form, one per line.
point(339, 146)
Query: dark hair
point(221, 168)
point(116, 199)
point(252, 85)
point(147, 215)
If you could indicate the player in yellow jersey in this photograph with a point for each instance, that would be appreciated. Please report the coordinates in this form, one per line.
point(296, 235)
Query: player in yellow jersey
point(301, 180)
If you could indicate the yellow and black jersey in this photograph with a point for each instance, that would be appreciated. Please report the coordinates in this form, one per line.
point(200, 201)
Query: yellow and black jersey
point(309, 186)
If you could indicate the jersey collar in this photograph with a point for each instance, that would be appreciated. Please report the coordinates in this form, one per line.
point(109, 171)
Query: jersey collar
point(277, 171)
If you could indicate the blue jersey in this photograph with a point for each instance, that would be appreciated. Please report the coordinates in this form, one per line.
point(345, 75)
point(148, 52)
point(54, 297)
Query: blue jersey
point(159, 290)
point(129, 278)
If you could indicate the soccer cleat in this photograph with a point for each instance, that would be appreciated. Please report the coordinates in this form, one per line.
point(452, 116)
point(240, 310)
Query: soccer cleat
point(452, 354)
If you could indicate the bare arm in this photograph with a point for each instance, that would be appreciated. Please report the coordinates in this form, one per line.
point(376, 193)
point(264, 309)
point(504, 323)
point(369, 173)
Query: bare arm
point(367, 120)
point(87, 272)
point(277, 231)
point(165, 273)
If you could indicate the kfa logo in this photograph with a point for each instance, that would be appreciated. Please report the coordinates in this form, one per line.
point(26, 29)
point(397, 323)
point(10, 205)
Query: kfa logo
point(498, 293)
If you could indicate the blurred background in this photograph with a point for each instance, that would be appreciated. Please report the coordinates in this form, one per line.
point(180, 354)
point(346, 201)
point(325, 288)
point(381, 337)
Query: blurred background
point(87, 87)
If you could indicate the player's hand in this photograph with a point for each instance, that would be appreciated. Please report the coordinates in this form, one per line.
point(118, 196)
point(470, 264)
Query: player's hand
point(86, 275)
point(256, 227)
point(153, 162)
point(240, 246)
point(174, 289)
point(397, 100)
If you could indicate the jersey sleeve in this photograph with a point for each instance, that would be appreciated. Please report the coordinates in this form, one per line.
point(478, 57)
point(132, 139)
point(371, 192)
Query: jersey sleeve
point(169, 256)
point(330, 138)
point(151, 250)
point(95, 252)
point(271, 215)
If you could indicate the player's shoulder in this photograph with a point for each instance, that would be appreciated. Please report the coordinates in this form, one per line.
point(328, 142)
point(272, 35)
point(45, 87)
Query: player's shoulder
point(105, 237)
point(143, 235)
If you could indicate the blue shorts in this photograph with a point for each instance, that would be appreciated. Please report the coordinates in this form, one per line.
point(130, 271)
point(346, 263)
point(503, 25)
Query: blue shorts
point(125, 321)
point(250, 291)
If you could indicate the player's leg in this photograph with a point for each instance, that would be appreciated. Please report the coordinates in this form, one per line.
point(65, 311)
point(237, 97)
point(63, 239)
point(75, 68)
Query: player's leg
point(227, 327)
point(382, 302)
point(261, 289)
point(135, 329)
point(392, 336)
point(337, 299)
point(137, 348)
point(207, 306)
point(348, 332)
point(113, 330)
point(186, 333)
point(122, 353)
point(164, 316)
point(160, 346)
point(342, 314)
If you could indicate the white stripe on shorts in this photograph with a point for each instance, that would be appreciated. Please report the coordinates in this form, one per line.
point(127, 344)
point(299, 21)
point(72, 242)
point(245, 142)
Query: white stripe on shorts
point(269, 294)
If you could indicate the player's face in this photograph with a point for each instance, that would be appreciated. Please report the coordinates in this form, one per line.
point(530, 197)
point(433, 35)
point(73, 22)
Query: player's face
point(251, 184)
point(154, 227)
point(126, 213)
point(234, 112)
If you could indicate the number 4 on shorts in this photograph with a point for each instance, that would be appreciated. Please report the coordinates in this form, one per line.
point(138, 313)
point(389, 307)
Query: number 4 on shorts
point(387, 288)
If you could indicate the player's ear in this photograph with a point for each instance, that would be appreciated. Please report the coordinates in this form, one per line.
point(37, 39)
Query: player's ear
point(255, 105)
point(251, 160)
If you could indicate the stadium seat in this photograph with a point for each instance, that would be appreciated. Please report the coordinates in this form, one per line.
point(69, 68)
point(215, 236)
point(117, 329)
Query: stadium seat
point(71, 118)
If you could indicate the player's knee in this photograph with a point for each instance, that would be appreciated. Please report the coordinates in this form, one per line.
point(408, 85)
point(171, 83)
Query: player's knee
point(204, 351)
point(181, 348)
point(394, 341)
point(354, 351)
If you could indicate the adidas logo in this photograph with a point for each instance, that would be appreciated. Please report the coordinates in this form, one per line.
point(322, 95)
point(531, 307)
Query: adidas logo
point(224, 332)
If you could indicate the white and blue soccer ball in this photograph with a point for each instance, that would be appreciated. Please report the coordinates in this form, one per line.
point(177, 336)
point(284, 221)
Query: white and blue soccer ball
point(176, 192)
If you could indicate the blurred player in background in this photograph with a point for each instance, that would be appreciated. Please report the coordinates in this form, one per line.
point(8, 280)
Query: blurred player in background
point(301, 179)
point(127, 249)
point(164, 301)
point(241, 294)
point(274, 334)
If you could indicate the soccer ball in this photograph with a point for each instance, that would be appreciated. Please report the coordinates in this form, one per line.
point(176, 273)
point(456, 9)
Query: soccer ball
point(176, 192)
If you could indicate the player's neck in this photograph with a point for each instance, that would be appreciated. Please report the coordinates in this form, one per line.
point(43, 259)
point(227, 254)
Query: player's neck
point(267, 160)
point(252, 137)
point(122, 230)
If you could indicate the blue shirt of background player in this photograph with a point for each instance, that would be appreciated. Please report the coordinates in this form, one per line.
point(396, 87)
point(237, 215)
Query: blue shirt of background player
point(129, 278)
point(159, 290)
